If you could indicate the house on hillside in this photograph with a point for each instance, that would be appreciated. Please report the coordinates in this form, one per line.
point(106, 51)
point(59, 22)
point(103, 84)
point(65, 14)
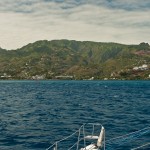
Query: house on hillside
point(5, 76)
point(65, 77)
point(136, 68)
point(143, 67)
point(38, 77)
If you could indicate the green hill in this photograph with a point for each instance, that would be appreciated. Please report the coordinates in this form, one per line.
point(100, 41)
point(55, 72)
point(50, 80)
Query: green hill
point(75, 59)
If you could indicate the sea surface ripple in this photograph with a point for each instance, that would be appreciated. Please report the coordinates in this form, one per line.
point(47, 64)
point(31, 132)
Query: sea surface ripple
point(34, 114)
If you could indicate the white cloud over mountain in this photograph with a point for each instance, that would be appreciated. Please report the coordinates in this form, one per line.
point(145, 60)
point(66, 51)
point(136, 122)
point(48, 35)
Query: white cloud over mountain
point(26, 21)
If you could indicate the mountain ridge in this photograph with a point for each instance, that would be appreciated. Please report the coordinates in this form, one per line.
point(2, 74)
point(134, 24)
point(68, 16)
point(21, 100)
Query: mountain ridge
point(80, 59)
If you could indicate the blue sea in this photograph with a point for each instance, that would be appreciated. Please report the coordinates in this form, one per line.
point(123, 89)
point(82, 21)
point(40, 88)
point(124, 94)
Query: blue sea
point(35, 114)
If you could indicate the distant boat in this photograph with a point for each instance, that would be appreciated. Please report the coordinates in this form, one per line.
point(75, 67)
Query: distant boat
point(94, 141)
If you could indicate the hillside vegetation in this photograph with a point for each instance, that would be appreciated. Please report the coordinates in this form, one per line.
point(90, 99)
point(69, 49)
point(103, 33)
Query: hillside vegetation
point(64, 59)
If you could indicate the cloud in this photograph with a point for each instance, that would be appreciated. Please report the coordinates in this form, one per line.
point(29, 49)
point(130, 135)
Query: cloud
point(24, 21)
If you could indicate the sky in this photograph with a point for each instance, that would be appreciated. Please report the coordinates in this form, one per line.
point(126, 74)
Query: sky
point(27, 21)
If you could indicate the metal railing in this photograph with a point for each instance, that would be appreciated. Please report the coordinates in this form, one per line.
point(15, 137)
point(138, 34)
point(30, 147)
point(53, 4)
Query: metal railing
point(86, 130)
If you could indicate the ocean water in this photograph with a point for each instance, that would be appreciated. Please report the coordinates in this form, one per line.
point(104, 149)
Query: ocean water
point(35, 114)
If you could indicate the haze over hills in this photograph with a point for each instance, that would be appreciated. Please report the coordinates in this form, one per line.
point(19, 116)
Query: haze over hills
point(66, 59)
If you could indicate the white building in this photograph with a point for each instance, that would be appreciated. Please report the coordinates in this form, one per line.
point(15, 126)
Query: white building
point(136, 68)
point(143, 67)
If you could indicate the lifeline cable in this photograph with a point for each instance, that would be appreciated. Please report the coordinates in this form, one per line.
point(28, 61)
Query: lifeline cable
point(121, 140)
